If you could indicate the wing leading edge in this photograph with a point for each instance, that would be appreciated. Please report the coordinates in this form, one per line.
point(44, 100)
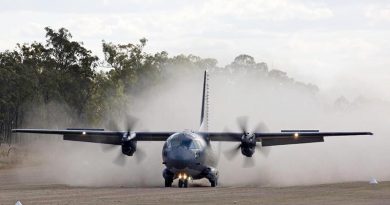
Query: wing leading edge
point(115, 137)
point(98, 135)
point(281, 138)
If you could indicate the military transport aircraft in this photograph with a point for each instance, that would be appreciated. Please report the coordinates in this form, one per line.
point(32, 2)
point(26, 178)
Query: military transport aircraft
point(187, 155)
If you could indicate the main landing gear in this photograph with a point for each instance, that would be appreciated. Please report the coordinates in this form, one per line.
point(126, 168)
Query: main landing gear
point(212, 175)
point(168, 177)
point(168, 183)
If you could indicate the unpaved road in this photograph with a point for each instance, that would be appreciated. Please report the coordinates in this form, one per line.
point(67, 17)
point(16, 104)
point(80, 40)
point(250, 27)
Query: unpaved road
point(31, 187)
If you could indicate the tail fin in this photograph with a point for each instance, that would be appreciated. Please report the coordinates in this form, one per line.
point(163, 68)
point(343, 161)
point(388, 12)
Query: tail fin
point(205, 104)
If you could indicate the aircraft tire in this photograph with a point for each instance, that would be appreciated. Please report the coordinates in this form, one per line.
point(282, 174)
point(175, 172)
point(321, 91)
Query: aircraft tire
point(185, 183)
point(168, 183)
point(214, 183)
point(181, 183)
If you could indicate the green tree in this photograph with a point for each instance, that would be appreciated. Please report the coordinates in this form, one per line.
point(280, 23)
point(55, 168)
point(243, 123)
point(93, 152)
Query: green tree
point(71, 66)
point(247, 63)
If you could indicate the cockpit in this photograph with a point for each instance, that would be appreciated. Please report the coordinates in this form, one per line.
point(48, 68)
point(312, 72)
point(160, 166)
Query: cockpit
point(183, 140)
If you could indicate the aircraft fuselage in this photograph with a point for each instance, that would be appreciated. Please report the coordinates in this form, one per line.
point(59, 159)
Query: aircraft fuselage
point(187, 155)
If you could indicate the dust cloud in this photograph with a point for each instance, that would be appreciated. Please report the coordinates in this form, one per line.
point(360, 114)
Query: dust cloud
point(175, 105)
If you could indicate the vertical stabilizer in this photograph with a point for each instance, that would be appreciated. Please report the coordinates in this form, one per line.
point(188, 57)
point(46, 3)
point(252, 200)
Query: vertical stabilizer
point(205, 104)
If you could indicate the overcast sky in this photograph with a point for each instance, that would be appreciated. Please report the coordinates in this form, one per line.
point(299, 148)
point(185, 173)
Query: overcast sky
point(342, 46)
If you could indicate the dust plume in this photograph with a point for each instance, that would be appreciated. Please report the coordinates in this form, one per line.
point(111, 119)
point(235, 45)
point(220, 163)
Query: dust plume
point(175, 105)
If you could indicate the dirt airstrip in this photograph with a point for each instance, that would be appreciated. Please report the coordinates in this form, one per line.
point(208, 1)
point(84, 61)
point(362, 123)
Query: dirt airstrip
point(29, 186)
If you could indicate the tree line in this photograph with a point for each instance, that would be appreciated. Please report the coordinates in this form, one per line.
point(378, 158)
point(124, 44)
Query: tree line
point(62, 70)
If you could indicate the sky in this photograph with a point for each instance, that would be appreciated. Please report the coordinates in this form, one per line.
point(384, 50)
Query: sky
point(341, 46)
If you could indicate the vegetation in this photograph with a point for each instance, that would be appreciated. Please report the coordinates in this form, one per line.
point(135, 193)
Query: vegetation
point(61, 70)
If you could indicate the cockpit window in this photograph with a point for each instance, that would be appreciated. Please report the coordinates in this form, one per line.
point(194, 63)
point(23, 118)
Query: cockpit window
point(183, 142)
point(174, 143)
point(194, 145)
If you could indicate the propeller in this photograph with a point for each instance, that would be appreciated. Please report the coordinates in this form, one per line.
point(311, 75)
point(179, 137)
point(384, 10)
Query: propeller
point(261, 127)
point(232, 153)
point(243, 123)
point(248, 162)
point(120, 160)
point(130, 123)
point(247, 140)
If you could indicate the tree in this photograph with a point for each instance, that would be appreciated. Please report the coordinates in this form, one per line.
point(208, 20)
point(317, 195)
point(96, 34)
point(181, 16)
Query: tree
point(246, 63)
point(64, 71)
point(72, 66)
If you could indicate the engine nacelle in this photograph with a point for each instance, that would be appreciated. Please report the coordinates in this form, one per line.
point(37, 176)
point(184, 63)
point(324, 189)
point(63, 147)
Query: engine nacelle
point(248, 151)
point(129, 147)
point(248, 144)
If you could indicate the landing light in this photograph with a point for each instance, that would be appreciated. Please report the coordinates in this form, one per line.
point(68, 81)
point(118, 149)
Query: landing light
point(183, 176)
point(296, 135)
point(84, 133)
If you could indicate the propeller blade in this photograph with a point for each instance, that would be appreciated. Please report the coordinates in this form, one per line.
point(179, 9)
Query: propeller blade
point(130, 123)
point(231, 153)
point(261, 127)
point(243, 123)
point(263, 150)
point(108, 147)
point(120, 159)
point(139, 155)
point(248, 162)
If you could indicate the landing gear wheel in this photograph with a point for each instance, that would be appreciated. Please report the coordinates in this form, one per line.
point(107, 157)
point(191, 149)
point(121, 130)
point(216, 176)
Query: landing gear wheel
point(181, 183)
point(168, 183)
point(214, 183)
point(168, 177)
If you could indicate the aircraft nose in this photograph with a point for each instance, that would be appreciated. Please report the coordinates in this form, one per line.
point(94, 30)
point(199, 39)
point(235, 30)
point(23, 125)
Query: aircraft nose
point(180, 158)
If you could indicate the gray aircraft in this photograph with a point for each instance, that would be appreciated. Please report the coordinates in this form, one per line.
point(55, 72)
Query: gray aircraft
point(187, 155)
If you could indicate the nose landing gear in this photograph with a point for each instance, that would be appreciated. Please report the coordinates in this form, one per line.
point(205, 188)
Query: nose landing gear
point(183, 180)
point(183, 183)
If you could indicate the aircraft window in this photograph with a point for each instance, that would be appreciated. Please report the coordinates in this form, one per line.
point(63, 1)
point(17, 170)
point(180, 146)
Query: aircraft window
point(198, 143)
point(188, 143)
point(194, 145)
point(174, 143)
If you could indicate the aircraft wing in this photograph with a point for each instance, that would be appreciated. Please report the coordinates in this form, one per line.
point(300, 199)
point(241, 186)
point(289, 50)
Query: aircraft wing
point(281, 138)
point(98, 135)
point(115, 137)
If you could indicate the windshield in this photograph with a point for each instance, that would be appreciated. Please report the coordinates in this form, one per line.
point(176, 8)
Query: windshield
point(183, 142)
